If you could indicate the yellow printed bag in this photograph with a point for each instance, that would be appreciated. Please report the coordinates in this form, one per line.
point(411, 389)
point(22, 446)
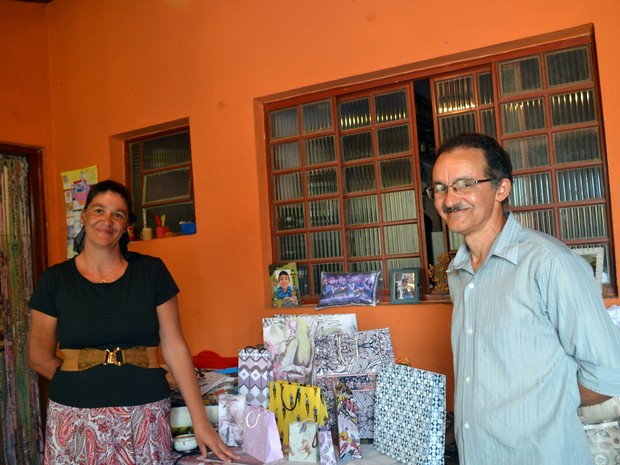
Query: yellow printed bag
point(295, 402)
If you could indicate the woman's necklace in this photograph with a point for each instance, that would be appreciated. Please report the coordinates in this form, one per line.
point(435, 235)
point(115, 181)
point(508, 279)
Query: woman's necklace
point(102, 277)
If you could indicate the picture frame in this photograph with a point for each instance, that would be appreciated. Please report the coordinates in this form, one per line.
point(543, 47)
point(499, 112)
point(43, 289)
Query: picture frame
point(404, 286)
point(284, 281)
point(594, 256)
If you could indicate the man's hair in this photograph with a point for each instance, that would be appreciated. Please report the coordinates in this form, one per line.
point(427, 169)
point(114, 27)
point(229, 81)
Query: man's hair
point(498, 161)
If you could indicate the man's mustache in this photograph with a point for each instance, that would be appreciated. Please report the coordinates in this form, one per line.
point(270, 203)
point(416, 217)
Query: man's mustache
point(454, 208)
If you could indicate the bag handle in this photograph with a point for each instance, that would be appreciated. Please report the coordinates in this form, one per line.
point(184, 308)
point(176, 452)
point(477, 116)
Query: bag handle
point(260, 348)
point(357, 350)
point(297, 398)
point(247, 418)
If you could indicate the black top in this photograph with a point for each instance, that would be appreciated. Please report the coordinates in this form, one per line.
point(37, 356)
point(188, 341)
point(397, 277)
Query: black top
point(121, 313)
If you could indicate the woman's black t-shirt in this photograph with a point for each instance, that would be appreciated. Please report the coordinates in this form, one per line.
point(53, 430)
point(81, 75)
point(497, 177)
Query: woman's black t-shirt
point(105, 316)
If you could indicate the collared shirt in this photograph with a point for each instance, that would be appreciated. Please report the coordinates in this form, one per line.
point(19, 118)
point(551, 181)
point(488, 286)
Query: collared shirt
point(527, 326)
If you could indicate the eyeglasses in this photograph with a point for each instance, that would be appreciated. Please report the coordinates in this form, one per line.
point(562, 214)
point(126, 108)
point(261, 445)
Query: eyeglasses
point(460, 187)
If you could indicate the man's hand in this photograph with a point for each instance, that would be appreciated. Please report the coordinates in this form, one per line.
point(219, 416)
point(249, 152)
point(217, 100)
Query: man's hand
point(589, 397)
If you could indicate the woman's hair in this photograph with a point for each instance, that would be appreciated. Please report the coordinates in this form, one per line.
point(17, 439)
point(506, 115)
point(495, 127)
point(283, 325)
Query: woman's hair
point(101, 188)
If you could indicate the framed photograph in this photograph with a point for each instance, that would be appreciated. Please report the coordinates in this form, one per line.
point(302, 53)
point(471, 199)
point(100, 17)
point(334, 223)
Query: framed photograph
point(284, 285)
point(404, 287)
point(594, 256)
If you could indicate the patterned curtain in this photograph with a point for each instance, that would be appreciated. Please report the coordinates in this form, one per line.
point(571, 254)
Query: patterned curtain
point(20, 429)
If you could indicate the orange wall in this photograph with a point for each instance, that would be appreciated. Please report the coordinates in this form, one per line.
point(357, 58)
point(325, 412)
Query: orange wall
point(118, 66)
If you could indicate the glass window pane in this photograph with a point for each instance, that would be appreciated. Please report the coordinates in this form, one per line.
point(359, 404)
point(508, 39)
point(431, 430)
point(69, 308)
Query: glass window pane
point(487, 119)
point(366, 266)
point(391, 107)
point(354, 114)
point(580, 184)
point(323, 181)
point(528, 152)
point(283, 123)
point(402, 263)
point(394, 139)
point(396, 173)
point(455, 240)
point(574, 107)
point(285, 156)
point(292, 247)
point(605, 276)
point(324, 213)
point(290, 216)
point(525, 115)
point(287, 186)
point(326, 244)
point(532, 189)
point(166, 151)
point(401, 239)
point(166, 186)
point(485, 89)
point(568, 67)
point(519, 76)
point(362, 210)
point(320, 150)
point(304, 279)
point(453, 125)
point(574, 146)
point(398, 206)
point(584, 222)
point(360, 178)
point(356, 146)
point(317, 116)
point(541, 220)
point(319, 268)
point(455, 94)
point(364, 242)
point(174, 214)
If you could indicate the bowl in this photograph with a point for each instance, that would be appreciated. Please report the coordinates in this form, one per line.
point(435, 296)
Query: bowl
point(185, 442)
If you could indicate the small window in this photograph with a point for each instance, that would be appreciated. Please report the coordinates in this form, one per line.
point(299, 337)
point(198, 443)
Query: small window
point(159, 170)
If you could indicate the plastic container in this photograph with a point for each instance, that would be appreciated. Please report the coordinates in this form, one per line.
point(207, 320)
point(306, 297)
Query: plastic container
point(187, 227)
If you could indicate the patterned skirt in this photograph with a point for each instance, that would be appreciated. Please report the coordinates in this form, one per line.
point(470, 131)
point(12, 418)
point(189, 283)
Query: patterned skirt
point(133, 435)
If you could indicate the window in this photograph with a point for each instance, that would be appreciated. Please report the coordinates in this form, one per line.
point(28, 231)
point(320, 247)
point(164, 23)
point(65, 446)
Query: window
point(347, 170)
point(159, 168)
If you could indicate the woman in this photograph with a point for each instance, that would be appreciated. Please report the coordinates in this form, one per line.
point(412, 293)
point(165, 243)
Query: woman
point(109, 309)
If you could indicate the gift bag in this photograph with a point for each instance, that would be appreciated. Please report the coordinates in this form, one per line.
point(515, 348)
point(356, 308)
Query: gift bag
point(303, 442)
point(363, 388)
point(260, 435)
point(290, 342)
point(295, 402)
point(255, 374)
point(604, 439)
point(410, 411)
point(326, 446)
point(339, 357)
point(348, 432)
point(230, 424)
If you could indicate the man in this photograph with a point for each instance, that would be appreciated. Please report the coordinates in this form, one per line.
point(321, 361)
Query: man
point(530, 334)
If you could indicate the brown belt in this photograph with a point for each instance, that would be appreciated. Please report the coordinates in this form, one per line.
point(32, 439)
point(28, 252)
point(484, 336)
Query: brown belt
point(83, 359)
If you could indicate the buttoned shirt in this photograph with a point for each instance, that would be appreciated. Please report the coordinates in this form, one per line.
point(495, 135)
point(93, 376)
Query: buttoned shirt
point(527, 326)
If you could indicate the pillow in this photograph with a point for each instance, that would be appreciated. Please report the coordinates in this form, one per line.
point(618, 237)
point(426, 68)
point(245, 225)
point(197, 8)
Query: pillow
point(338, 289)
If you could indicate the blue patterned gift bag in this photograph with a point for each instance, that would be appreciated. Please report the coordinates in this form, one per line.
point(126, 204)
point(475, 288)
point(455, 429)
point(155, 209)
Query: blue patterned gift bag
point(410, 412)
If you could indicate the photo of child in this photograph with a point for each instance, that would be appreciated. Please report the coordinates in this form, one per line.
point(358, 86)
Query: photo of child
point(285, 286)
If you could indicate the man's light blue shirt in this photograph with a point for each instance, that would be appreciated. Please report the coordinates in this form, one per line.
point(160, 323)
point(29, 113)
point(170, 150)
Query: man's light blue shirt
point(527, 326)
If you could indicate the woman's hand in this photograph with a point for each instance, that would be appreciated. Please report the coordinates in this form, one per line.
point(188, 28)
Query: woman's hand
point(208, 437)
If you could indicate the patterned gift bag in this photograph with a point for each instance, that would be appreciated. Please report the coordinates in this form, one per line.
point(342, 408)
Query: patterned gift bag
point(604, 439)
point(260, 435)
point(410, 412)
point(350, 359)
point(295, 402)
point(363, 388)
point(255, 374)
point(230, 425)
point(348, 431)
point(303, 442)
point(290, 342)
point(326, 446)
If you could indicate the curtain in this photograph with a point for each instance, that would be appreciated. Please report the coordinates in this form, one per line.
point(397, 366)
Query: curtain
point(20, 427)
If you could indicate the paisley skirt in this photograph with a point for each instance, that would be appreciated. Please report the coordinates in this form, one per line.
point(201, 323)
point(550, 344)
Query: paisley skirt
point(133, 435)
